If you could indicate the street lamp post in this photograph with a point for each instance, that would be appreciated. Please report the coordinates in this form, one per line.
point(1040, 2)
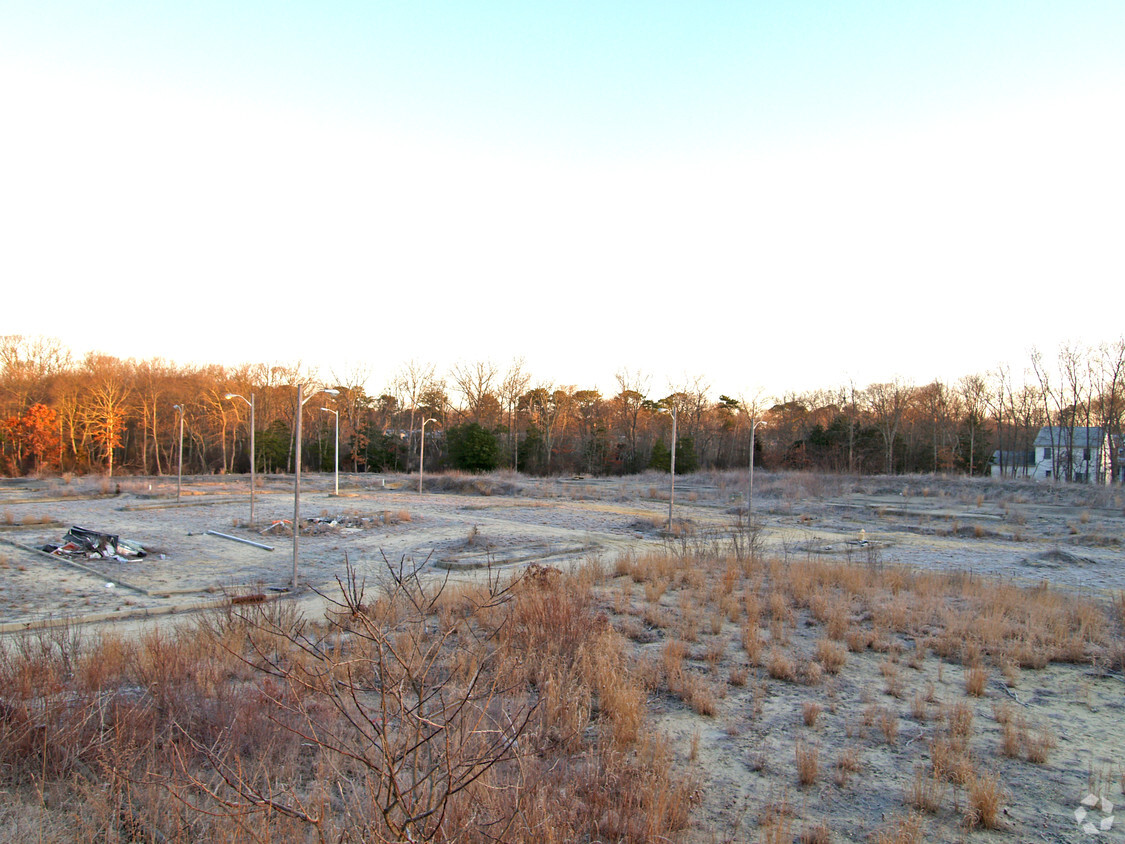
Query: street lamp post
point(422, 454)
point(297, 479)
point(252, 453)
point(180, 468)
point(336, 413)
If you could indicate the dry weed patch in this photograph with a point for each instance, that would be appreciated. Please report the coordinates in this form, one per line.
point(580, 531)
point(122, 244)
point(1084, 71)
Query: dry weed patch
point(415, 714)
point(831, 655)
point(985, 801)
point(926, 791)
point(908, 830)
point(807, 758)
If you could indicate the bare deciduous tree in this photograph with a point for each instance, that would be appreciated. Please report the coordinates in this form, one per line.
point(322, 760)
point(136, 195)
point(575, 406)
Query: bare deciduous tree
point(513, 386)
point(475, 383)
point(633, 388)
point(404, 701)
point(888, 403)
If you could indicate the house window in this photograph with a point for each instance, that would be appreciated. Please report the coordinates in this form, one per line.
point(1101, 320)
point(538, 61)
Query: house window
point(1047, 454)
point(1047, 474)
point(1086, 454)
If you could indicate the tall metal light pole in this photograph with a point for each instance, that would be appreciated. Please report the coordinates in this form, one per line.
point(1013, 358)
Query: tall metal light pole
point(336, 413)
point(252, 453)
point(180, 469)
point(297, 479)
point(754, 423)
point(422, 454)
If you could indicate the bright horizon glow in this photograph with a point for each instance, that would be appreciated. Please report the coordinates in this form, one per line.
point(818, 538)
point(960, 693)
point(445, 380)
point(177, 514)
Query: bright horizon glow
point(792, 199)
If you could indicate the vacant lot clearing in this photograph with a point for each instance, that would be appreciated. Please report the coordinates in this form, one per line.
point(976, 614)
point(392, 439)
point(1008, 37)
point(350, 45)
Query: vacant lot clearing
point(887, 659)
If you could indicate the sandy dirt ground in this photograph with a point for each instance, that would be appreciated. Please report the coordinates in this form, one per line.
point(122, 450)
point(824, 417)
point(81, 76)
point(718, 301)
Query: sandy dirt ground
point(742, 756)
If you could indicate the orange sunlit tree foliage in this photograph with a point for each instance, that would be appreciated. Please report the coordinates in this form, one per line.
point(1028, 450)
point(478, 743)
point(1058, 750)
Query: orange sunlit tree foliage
point(33, 439)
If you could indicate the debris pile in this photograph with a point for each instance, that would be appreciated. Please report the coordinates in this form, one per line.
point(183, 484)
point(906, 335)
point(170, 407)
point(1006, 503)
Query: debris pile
point(332, 524)
point(80, 542)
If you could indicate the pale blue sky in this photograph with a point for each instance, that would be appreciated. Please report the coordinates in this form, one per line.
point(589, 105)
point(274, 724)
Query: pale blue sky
point(875, 189)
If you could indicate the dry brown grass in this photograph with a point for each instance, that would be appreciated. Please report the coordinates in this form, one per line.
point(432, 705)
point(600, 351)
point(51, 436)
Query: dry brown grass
point(959, 720)
point(780, 665)
point(135, 731)
point(555, 640)
point(985, 801)
point(892, 679)
point(775, 822)
point(888, 725)
point(951, 760)
point(976, 681)
point(907, 830)
point(807, 758)
point(818, 833)
point(919, 711)
point(752, 642)
point(831, 655)
point(857, 639)
point(810, 712)
point(989, 629)
point(1039, 743)
point(926, 790)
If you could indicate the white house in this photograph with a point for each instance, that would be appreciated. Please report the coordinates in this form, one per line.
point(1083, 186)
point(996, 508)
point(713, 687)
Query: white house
point(1076, 454)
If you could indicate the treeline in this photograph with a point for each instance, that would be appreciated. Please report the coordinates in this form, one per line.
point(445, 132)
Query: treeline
point(106, 415)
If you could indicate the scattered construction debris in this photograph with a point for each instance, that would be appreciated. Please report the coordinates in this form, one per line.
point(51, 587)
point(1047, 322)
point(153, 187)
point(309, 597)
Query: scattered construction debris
point(282, 527)
point(330, 524)
point(263, 546)
point(80, 542)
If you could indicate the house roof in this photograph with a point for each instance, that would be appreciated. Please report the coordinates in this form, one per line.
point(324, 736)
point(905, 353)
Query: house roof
point(1058, 436)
